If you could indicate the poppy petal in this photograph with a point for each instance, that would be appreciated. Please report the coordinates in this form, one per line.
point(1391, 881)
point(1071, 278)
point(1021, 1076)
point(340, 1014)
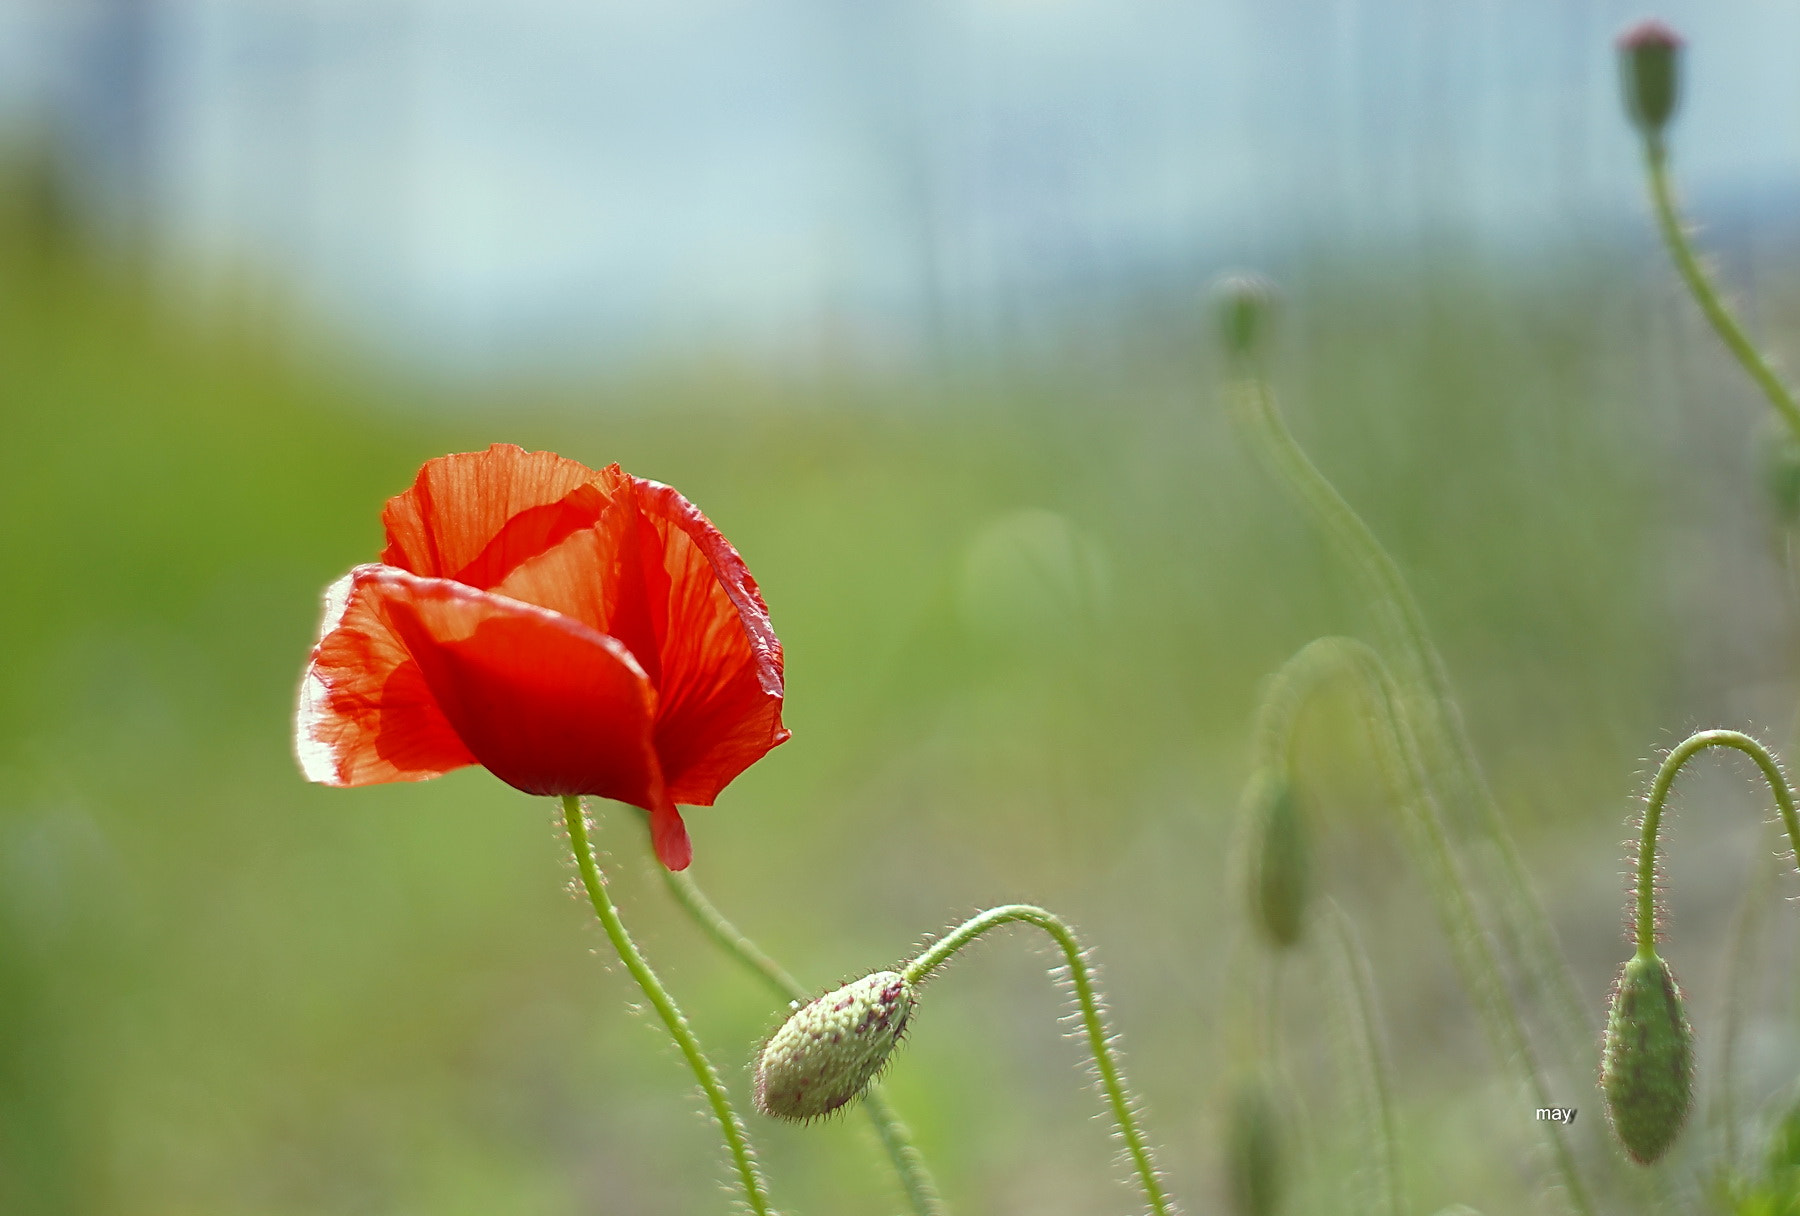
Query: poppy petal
point(530, 533)
point(546, 703)
point(366, 715)
point(656, 575)
point(596, 575)
point(720, 689)
point(669, 834)
point(460, 504)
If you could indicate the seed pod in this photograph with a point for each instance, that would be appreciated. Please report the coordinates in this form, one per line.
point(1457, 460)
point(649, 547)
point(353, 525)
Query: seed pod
point(1256, 1146)
point(830, 1049)
point(1244, 302)
point(1647, 1059)
point(1649, 66)
point(1280, 860)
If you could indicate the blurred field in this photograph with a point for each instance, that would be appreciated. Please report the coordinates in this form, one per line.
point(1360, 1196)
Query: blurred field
point(1026, 603)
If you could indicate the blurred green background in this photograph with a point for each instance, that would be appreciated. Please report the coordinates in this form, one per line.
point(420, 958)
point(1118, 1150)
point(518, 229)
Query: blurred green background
point(1026, 597)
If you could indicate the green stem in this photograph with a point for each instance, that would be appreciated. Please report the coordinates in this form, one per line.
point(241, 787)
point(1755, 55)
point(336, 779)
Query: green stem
point(1684, 751)
point(1530, 942)
point(736, 1139)
point(1403, 765)
point(896, 1138)
point(1706, 294)
point(729, 937)
point(1746, 927)
point(1092, 1020)
point(1357, 993)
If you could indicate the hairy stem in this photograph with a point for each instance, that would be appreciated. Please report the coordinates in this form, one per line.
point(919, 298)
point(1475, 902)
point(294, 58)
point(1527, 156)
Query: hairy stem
point(1402, 762)
point(1746, 928)
point(1706, 294)
point(896, 1138)
point(737, 1141)
point(1093, 1022)
point(1684, 751)
point(1529, 943)
point(1357, 999)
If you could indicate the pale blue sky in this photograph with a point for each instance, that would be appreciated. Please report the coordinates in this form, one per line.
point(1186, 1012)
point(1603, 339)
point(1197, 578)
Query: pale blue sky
point(492, 181)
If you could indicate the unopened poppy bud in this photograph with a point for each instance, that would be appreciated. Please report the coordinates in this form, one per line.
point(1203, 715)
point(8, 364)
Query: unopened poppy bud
point(1245, 302)
point(1280, 859)
point(1647, 1059)
point(1255, 1148)
point(1650, 61)
point(831, 1048)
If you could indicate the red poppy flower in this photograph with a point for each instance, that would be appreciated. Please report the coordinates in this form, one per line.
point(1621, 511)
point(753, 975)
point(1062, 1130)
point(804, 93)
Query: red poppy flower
point(572, 631)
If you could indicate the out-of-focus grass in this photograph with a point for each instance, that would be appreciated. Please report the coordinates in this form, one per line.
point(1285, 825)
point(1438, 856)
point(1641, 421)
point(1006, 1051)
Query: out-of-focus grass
point(1025, 616)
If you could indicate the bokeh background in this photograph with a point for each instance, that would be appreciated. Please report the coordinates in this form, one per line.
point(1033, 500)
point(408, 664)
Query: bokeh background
point(910, 299)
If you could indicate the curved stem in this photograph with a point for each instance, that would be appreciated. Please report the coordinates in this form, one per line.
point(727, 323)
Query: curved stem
point(1684, 751)
point(1357, 991)
point(915, 1179)
point(1746, 927)
point(729, 937)
point(1530, 942)
point(737, 1141)
point(1706, 295)
point(1402, 762)
point(896, 1138)
point(1111, 1080)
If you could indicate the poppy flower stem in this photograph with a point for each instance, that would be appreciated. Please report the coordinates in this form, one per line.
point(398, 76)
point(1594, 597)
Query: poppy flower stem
point(1355, 992)
point(737, 1140)
point(1660, 786)
point(896, 1138)
point(1746, 931)
point(1705, 292)
point(1525, 938)
point(1402, 762)
point(1093, 1021)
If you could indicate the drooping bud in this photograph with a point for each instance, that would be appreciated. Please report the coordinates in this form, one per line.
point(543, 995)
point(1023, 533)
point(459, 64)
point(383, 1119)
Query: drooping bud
point(1256, 1146)
point(1647, 1059)
point(831, 1048)
point(1280, 859)
point(1649, 63)
point(1245, 302)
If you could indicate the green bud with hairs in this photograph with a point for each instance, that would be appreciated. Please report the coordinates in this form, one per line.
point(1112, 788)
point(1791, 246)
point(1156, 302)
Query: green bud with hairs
point(1280, 878)
point(1649, 65)
point(1647, 1059)
point(1256, 1165)
point(1245, 302)
point(831, 1048)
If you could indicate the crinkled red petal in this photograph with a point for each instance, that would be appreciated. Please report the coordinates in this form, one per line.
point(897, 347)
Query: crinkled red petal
point(366, 715)
point(654, 573)
point(542, 700)
point(415, 676)
point(473, 516)
point(719, 699)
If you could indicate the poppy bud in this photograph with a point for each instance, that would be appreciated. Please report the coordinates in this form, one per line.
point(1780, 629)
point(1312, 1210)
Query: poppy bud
point(830, 1049)
point(1649, 62)
point(1647, 1059)
point(1245, 301)
point(1256, 1143)
point(1280, 859)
